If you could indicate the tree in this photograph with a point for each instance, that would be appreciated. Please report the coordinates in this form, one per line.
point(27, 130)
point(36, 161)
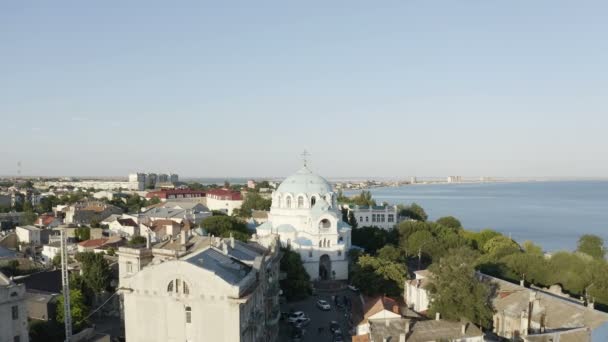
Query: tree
point(592, 245)
point(82, 233)
point(450, 222)
point(413, 211)
point(78, 309)
point(532, 248)
point(297, 283)
point(46, 331)
point(137, 241)
point(224, 226)
point(500, 246)
point(154, 200)
point(378, 276)
point(370, 238)
point(352, 220)
point(390, 253)
point(456, 293)
point(95, 271)
point(254, 201)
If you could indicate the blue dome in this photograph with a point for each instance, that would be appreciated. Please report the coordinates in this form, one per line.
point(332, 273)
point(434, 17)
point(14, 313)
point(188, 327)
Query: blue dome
point(304, 181)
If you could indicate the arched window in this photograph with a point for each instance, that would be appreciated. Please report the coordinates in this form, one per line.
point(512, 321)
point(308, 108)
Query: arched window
point(288, 202)
point(178, 286)
point(340, 239)
point(170, 287)
point(186, 289)
point(320, 243)
point(328, 243)
point(188, 314)
point(313, 200)
point(300, 202)
point(325, 224)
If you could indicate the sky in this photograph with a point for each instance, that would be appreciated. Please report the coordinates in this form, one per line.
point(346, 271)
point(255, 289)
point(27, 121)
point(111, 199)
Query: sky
point(241, 88)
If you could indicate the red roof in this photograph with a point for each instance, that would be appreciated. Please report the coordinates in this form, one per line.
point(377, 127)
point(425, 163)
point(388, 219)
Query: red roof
point(46, 219)
point(225, 194)
point(165, 193)
point(377, 304)
point(93, 243)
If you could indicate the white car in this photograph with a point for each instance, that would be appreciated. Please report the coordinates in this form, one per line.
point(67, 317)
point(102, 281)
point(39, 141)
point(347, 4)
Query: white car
point(301, 322)
point(323, 305)
point(294, 316)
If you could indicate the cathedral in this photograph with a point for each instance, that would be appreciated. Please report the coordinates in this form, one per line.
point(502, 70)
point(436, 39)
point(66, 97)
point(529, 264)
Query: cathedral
point(306, 216)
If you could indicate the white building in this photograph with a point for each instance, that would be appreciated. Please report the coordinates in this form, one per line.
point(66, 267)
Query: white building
point(13, 311)
point(415, 293)
point(124, 227)
point(28, 234)
point(306, 216)
point(50, 251)
point(225, 200)
point(198, 288)
point(385, 216)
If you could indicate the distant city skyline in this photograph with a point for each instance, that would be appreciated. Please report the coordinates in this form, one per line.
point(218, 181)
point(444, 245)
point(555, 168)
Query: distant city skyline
point(391, 89)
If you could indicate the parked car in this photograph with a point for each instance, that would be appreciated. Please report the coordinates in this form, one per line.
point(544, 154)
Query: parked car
point(323, 305)
point(293, 317)
point(301, 322)
point(334, 327)
point(338, 338)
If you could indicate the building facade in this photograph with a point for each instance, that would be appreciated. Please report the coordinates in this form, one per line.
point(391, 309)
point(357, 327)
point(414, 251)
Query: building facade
point(385, 216)
point(28, 234)
point(306, 216)
point(13, 311)
point(224, 200)
point(197, 288)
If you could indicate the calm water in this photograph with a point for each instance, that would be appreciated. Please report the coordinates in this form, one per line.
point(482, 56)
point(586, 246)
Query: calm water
point(552, 214)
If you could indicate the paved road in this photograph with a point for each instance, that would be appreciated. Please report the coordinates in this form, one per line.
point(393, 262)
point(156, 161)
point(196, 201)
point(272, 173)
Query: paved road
point(318, 318)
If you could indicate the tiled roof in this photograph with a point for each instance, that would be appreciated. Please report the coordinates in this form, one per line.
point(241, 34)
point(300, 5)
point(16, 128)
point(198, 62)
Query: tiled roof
point(93, 243)
point(225, 194)
point(378, 304)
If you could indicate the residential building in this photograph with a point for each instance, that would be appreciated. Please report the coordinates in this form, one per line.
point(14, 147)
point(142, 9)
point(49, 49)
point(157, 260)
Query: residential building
point(251, 184)
point(42, 291)
point(385, 216)
point(172, 194)
point(173, 178)
point(225, 200)
point(88, 212)
point(197, 288)
point(13, 311)
point(175, 213)
point(48, 221)
point(415, 292)
point(306, 216)
point(104, 194)
point(91, 245)
point(97, 184)
point(401, 329)
point(124, 227)
point(28, 234)
point(159, 230)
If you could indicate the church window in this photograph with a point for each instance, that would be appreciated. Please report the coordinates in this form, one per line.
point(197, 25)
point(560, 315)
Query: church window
point(313, 200)
point(188, 314)
point(129, 267)
point(300, 202)
point(178, 285)
point(186, 289)
point(170, 287)
point(288, 202)
point(320, 243)
point(340, 239)
point(325, 224)
point(328, 243)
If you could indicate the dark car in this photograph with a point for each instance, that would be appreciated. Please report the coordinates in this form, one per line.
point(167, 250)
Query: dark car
point(338, 338)
point(334, 327)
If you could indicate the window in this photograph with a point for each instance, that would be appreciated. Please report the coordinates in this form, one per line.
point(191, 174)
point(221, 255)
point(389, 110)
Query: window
point(360, 218)
point(325, 224)
point(170, 286)
point(15, 312)
point(340, 239)
point(366, 218)
point(320, 243)
point(129, 267)
point(310, 253)
point(391, 218)
point(313, 200)
point(339, 253)
point(186, 289)
point(373, 217)
point(188, 314)
point(178, 285)
point(279, 200)
point(300, 202)
point(288, 202)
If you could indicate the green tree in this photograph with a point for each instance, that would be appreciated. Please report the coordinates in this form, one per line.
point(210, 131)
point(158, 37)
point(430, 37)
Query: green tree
point(137, 241)
point(450, 222)
point(413, 211)
point(153, 201)
point(352, 220)
point(82, 233)
point(592, 245)
point(370, 238)
point(297, 283)
point(253, 201)
point(224, 226)
point(46, 331)
point(532, 248)
point(378, 276)
point(78, 309)
point(455, 291)
point(390, 253)
point(95, 271)
point(500, 245)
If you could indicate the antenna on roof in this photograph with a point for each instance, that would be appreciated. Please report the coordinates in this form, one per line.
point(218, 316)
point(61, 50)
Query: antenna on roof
point(305, 156)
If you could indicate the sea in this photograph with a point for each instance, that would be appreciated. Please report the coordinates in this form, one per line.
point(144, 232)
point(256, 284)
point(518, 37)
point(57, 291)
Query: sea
point(552, 214)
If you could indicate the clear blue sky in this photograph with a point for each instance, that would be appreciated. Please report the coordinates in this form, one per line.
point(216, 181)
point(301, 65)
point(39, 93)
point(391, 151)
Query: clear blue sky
point(370, 88)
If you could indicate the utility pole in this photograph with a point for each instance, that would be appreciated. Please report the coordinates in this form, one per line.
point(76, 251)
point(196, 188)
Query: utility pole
point(65, 278)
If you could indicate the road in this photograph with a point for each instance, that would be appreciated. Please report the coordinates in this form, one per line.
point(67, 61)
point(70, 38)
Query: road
point(319, 318)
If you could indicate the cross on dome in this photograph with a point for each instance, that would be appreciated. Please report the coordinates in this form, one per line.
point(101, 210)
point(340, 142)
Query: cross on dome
point(305, 156)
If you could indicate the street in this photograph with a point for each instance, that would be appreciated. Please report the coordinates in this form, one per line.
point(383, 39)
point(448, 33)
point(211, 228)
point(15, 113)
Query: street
point(319, 318)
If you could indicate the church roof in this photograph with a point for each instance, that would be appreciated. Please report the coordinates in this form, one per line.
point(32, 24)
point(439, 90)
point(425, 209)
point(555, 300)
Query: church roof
point(304, 181)
point(286, 228)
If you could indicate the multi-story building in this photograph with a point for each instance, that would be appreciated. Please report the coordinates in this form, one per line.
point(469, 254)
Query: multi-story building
point(13, 311)
point(162, 178)
point(225, 200)
point(173, 178)
point(28, 234)
point(174, 194)
point(85, 213)
point(385, 216)
point(197, 288)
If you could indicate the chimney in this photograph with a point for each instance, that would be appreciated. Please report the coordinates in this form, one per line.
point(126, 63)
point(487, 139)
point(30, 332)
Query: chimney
point(463, 328)
point(183, 238)
point(231, 241)
point(407, 327)
point(437, 316)
point(522, 283)
point(401, 337)
point(224, 247)
point(148, 240)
